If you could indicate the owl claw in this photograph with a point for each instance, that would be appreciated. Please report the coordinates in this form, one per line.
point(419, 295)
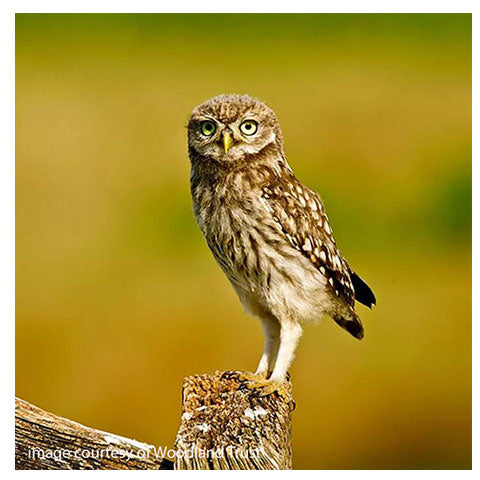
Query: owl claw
point(246, 377)
point(264, 387)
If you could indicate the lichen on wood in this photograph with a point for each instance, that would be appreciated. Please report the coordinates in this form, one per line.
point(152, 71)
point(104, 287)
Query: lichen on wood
point(225, 425)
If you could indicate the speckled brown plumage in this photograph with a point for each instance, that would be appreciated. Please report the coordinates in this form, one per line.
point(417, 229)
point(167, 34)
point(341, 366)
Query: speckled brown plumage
point(269, 233)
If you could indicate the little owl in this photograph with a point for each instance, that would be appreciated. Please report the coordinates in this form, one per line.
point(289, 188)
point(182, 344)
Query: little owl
point(268, 232)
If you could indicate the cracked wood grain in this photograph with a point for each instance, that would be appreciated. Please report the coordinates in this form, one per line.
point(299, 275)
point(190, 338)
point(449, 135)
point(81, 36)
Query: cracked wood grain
point(226, 426)
point(44, 441)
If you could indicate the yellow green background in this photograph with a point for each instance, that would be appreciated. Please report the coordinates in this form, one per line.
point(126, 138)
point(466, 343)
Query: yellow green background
point(117, 295)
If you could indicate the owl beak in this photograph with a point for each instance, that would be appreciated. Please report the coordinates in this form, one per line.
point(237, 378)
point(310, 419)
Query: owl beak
point(227, 141)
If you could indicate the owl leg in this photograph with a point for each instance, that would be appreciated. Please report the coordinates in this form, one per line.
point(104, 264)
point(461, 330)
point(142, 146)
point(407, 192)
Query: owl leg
point(290, 333)
point(271, 328)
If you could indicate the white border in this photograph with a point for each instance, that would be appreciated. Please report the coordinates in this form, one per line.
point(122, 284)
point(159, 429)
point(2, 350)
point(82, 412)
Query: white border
point(7, 28)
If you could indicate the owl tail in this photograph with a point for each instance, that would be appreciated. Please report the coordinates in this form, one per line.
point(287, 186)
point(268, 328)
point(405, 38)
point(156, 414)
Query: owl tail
point(351, 323)
point(363, 293)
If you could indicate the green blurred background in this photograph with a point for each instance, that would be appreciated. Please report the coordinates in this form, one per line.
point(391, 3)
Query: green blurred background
point(117, 295)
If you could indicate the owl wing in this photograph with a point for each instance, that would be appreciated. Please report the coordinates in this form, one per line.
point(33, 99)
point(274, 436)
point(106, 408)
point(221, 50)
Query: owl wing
point(300, 214)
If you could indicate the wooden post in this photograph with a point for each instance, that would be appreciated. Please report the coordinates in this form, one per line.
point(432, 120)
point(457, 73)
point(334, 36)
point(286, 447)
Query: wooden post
point(224, 425)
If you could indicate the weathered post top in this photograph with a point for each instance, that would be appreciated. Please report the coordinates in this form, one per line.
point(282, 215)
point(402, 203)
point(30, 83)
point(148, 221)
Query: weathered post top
point(226, 426)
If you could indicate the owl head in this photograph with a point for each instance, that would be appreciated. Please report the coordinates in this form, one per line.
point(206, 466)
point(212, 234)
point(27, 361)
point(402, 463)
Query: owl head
point(231, 128)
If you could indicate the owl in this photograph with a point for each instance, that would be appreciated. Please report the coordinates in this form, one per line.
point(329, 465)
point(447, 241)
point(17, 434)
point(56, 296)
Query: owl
point(269, 233)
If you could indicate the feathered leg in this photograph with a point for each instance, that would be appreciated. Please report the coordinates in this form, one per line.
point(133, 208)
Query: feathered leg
point(290, 333)
point(271, 329)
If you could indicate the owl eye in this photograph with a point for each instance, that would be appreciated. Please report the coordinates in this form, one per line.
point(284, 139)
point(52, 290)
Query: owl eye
point(208, 128)
point(249, 127)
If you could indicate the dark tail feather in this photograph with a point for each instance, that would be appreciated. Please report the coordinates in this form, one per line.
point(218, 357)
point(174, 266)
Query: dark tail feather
point(363, 293)
point(352, 325)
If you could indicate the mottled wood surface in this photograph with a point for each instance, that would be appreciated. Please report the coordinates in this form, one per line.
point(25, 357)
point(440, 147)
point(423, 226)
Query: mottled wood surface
point(44, 441)
point(226, 426)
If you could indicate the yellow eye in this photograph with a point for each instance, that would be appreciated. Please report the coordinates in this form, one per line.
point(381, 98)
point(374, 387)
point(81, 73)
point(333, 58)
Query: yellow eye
point(208, 128)
point(249, 127)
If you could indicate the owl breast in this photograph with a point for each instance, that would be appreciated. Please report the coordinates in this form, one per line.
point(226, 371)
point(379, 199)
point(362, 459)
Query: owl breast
point(229, 222)
point(265, 271)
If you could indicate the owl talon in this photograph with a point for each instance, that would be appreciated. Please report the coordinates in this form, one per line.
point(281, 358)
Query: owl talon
point(247, 377)
point(267, 387)
point(264, 387)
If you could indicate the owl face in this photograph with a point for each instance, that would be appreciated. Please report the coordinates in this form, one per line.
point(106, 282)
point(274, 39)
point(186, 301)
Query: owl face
point(232, 127)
